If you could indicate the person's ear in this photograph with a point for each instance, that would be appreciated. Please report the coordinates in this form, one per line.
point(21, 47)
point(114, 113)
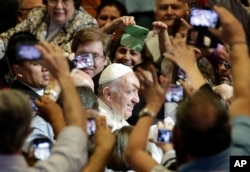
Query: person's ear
point(106, 60)
point(19, 16)
point(17, 71)
point(107, 93)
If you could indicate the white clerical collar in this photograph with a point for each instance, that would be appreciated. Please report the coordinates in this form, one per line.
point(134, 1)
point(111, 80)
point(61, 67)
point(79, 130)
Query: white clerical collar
point(110, 111)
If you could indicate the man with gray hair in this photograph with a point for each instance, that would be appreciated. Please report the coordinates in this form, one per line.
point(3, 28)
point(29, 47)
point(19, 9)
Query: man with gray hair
point(118, 94)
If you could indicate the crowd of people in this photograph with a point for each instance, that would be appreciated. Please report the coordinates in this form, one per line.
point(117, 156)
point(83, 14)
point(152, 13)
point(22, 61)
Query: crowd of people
point(95, 91)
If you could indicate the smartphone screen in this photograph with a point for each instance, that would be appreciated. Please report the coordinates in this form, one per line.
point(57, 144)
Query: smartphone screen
point(203, 18)
point(91, 126)
point(28, 52)
point(174, 93)
point(42, 149)
point(164, 135)
point(83, 60)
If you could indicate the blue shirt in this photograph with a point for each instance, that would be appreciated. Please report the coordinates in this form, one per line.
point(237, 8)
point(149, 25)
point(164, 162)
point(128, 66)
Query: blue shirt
point(218, 162)
point(240, 136)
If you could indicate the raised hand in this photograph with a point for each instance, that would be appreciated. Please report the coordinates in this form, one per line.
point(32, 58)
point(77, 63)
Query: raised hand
point(153, 92)
point(51, 112)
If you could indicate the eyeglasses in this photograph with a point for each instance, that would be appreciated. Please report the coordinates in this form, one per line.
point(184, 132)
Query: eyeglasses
point(97, 57)
point(64, 2)
point(226, 64)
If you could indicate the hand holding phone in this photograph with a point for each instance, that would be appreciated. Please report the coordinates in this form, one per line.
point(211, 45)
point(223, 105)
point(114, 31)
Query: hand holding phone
point(91, 129)
point(42, 148)
point(164, 135)
point(91, 126)
point(200, 20)
point(83, 60)
point(203, 18)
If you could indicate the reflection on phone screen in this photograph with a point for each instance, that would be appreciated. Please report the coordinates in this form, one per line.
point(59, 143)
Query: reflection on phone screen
point(174, 93)
point(42, 148)
point(83, 60)
point(164, 135)
point(203, 18)
point(91, 126)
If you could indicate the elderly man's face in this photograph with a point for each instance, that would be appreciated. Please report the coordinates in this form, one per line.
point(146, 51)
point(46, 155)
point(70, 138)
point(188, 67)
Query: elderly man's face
point(126, 96)
point(169, 10)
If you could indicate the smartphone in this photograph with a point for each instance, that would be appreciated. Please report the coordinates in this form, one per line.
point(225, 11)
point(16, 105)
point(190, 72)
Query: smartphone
point(28, 52)
point(42, 148)
point(164, 135)
point(34, 107)
point(177, 74)
point(83, 60)
point(136, 31)
point(203, 18)
point(91, 126)
point(174, 93)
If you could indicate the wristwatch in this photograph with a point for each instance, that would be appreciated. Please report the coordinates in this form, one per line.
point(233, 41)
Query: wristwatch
point(145, 111)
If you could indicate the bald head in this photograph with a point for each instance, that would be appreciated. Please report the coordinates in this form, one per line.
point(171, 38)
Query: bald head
point(81, 78)
point(202, 124)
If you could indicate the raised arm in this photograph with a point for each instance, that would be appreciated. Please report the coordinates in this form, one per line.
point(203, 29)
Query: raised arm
point(70, 151)
point(55, 62)
point(154, 94)
point(232, 34)
point(183, 55)
point(161, 29)
point(104, 142)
